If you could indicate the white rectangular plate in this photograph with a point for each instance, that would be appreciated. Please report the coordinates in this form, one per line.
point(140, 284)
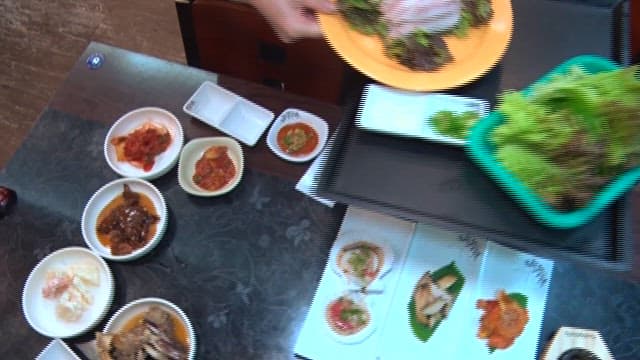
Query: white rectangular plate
point(57, 350)
point(407, 113)
point(229, 112)
point(486, 266)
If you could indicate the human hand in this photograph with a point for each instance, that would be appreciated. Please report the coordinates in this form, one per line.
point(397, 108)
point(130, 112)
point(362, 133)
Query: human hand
point(294, 19)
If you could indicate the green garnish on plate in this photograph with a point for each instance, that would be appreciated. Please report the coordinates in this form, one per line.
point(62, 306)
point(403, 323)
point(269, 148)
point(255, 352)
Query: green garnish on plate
point(455, 125)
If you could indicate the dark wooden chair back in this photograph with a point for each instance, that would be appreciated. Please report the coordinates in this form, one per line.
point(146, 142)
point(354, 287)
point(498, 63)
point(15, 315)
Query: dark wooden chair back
point(234, 39)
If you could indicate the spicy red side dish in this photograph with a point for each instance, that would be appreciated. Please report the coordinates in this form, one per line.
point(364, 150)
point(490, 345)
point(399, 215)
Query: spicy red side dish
point(141, 147)
point(214, 169)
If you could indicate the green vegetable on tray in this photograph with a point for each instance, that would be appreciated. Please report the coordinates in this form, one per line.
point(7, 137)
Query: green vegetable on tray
point(456, 125)
point(569, 137)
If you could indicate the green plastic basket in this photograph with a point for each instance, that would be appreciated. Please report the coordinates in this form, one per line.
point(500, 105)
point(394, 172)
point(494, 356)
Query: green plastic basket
point(481, 150)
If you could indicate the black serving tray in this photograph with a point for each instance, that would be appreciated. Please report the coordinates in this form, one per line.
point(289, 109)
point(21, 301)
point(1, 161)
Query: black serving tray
point(438, 184)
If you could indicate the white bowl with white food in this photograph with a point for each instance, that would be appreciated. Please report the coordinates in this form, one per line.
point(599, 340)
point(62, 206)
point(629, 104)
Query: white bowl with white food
point(42, 313)
point(292, 116)
point(133, 120)
point(103, 197)
point(140, 306)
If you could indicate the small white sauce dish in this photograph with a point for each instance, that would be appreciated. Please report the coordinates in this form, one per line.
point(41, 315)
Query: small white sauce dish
point(131, 121)
point(194, 150)
point(40, 312)
point(290, 116)
point(136, 307)
point(103, 197)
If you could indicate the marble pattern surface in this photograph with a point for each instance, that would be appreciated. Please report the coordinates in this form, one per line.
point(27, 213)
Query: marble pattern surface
point(243, 266)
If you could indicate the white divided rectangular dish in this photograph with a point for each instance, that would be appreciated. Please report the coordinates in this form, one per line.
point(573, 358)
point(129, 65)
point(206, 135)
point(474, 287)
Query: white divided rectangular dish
point(228, 112)
point(408, 113)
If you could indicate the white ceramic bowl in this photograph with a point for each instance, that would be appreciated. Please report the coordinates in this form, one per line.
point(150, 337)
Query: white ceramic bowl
point(291, 116)
point(130, 122)
point(103, 197)
point(194, 150)
point(40, 312)
point(122, 316)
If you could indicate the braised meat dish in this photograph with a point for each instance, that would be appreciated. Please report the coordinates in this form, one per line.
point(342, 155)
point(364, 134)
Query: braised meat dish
point(156, 334)
point(127, 222)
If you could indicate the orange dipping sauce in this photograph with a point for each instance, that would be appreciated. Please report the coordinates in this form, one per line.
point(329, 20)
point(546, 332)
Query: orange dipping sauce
point(297, 139)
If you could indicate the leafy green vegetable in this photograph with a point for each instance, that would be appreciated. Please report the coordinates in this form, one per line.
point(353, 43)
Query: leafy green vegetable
point(533, 125)
point(534, 170)
point(474, 13)
point(417, 50)
point(453, 124)
point(520, 298)
point(464, 24)
point(363, 16)
point(352, 313)
point(359, 261)
point(567, 138)
point(422, 38)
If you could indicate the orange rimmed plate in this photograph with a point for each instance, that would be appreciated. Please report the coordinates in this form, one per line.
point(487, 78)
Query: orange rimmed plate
point(473, 55)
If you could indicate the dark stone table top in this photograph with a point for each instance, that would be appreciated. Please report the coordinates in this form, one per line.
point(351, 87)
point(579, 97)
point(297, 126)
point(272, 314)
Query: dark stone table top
point(244, 267)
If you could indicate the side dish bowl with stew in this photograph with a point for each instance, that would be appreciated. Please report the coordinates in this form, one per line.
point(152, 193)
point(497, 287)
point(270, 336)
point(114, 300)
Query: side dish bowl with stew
point(149, 328)
point(124, 219)
point(144, 143)
point(297, 135)
point(210, 166)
